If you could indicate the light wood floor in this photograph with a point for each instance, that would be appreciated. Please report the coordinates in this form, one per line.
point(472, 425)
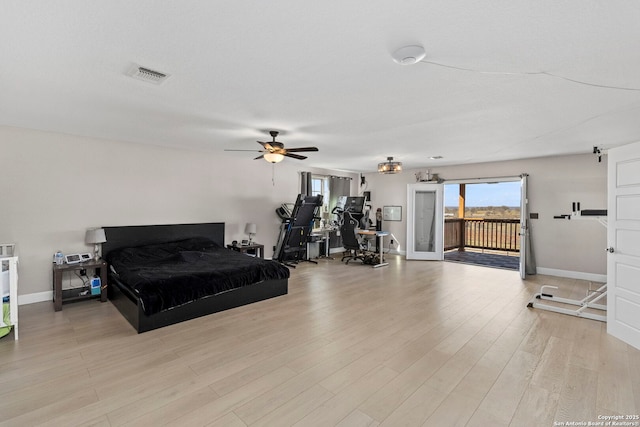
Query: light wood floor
point(414, 343)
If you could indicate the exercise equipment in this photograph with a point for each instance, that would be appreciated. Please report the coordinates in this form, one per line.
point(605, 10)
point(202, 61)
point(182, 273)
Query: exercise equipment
point(285, 212)
point(295, 231)
point(590, 301)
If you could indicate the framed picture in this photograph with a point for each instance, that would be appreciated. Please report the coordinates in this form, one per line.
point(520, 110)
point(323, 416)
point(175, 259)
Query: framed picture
point(392, 213)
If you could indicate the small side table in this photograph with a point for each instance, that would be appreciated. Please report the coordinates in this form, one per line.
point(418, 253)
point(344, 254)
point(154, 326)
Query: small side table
point(60, 296)
point(256, 247)
point(326, 234)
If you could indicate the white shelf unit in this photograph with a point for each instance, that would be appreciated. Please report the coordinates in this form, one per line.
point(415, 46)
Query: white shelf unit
point(9, 284)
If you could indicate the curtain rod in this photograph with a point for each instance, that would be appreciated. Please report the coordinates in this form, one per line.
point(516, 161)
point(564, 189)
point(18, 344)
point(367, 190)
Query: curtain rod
point(493, 178)
point(327, 176)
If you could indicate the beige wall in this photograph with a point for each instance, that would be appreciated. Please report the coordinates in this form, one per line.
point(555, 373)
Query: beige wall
point(560, 246)
point(55, 186)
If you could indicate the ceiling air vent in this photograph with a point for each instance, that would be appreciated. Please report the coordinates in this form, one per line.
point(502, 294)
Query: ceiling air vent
point(148, 75)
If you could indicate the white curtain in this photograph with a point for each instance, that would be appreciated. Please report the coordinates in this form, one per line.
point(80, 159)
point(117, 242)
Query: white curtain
point(530, 266)
point(530, 258)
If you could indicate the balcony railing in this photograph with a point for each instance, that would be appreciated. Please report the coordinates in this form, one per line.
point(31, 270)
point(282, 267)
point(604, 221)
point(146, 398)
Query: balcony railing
point(494, 234)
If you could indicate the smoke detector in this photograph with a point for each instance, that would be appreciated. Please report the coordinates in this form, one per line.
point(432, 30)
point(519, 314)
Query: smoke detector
point(409, 55)
point(148, 75)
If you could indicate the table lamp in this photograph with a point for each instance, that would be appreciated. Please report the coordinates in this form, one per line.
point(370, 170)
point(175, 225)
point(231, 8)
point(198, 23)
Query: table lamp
point(250, 229)
point(95, 236)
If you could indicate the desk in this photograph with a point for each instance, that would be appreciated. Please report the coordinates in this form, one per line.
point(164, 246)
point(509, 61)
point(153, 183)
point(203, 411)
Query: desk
point(244, 249)
point(380, 235)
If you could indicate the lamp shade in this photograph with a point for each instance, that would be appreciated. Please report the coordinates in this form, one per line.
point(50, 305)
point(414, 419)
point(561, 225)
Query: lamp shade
point(95, 235)
point(273, 157)
point(250, 228)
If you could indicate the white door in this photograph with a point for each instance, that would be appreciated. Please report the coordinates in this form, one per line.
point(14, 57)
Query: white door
point(425, 221)
point(623, 237)
point(524, 225)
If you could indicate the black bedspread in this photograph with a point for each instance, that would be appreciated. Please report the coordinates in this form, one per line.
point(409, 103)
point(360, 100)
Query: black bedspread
point(170, 274)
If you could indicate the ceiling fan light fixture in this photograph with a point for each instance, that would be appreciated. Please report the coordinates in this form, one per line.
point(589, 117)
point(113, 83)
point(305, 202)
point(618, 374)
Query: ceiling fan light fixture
point(275, 152)
point(390, 166)
point(273, 157)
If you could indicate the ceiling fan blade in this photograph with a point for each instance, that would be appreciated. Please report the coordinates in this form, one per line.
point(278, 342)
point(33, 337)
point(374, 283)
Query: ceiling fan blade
point(254, 151)
point(295, 156)
point(259, 157)
point(266, 145)
point(294, 150)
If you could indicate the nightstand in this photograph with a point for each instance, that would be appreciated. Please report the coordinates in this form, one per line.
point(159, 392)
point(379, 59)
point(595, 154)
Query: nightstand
point(68, 295)
point(256, 248)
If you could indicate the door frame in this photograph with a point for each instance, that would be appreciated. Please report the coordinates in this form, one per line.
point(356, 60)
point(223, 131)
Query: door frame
point(524, 229)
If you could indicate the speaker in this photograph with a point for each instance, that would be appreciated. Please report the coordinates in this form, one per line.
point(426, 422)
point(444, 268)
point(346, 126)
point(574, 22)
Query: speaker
point(367, 195)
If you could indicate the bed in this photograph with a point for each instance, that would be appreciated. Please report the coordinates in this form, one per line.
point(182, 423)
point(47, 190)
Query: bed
point(160, 275)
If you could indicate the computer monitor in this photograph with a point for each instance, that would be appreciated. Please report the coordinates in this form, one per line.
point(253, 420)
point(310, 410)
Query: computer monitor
point(354, 204)
point(365, 224)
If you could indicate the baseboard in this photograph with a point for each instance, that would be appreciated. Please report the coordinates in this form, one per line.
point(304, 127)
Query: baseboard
point(602, 278)
point(395, 252)
point(33, 298)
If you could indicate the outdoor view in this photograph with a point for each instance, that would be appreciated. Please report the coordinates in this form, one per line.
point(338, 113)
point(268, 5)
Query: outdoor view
point(491, 217)
point(499, 200)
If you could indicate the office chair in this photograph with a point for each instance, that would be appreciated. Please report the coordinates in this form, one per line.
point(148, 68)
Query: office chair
point(350, 240)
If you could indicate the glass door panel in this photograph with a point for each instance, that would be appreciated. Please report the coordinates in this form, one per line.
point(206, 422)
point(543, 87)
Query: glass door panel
point(425, 221)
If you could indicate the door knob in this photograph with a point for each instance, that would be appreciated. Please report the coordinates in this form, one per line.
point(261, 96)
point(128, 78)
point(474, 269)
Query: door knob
point(610, 250)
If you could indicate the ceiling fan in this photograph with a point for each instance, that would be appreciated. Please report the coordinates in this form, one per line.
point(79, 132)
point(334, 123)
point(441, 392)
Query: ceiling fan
point(275, 152)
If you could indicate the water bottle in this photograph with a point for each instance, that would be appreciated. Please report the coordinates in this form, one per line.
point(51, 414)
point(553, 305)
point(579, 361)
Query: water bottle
point(59, 258)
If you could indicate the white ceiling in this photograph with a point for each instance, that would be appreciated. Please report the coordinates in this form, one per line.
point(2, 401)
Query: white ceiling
point(321, 72)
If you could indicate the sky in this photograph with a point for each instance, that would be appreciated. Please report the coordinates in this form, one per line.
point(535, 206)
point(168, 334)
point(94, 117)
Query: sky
point(498, 194)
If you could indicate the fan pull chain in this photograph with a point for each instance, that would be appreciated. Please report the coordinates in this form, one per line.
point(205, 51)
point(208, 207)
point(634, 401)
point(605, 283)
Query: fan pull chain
point(273, 174)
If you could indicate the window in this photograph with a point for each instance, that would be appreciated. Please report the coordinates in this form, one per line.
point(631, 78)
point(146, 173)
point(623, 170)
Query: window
point(320, 186)
point(317, 186)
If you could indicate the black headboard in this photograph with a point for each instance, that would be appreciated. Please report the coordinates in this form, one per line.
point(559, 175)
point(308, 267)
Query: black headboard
point(138, 235)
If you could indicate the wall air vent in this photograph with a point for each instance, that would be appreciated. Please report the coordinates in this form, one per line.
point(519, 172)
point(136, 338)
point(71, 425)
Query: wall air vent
point(148, 75)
